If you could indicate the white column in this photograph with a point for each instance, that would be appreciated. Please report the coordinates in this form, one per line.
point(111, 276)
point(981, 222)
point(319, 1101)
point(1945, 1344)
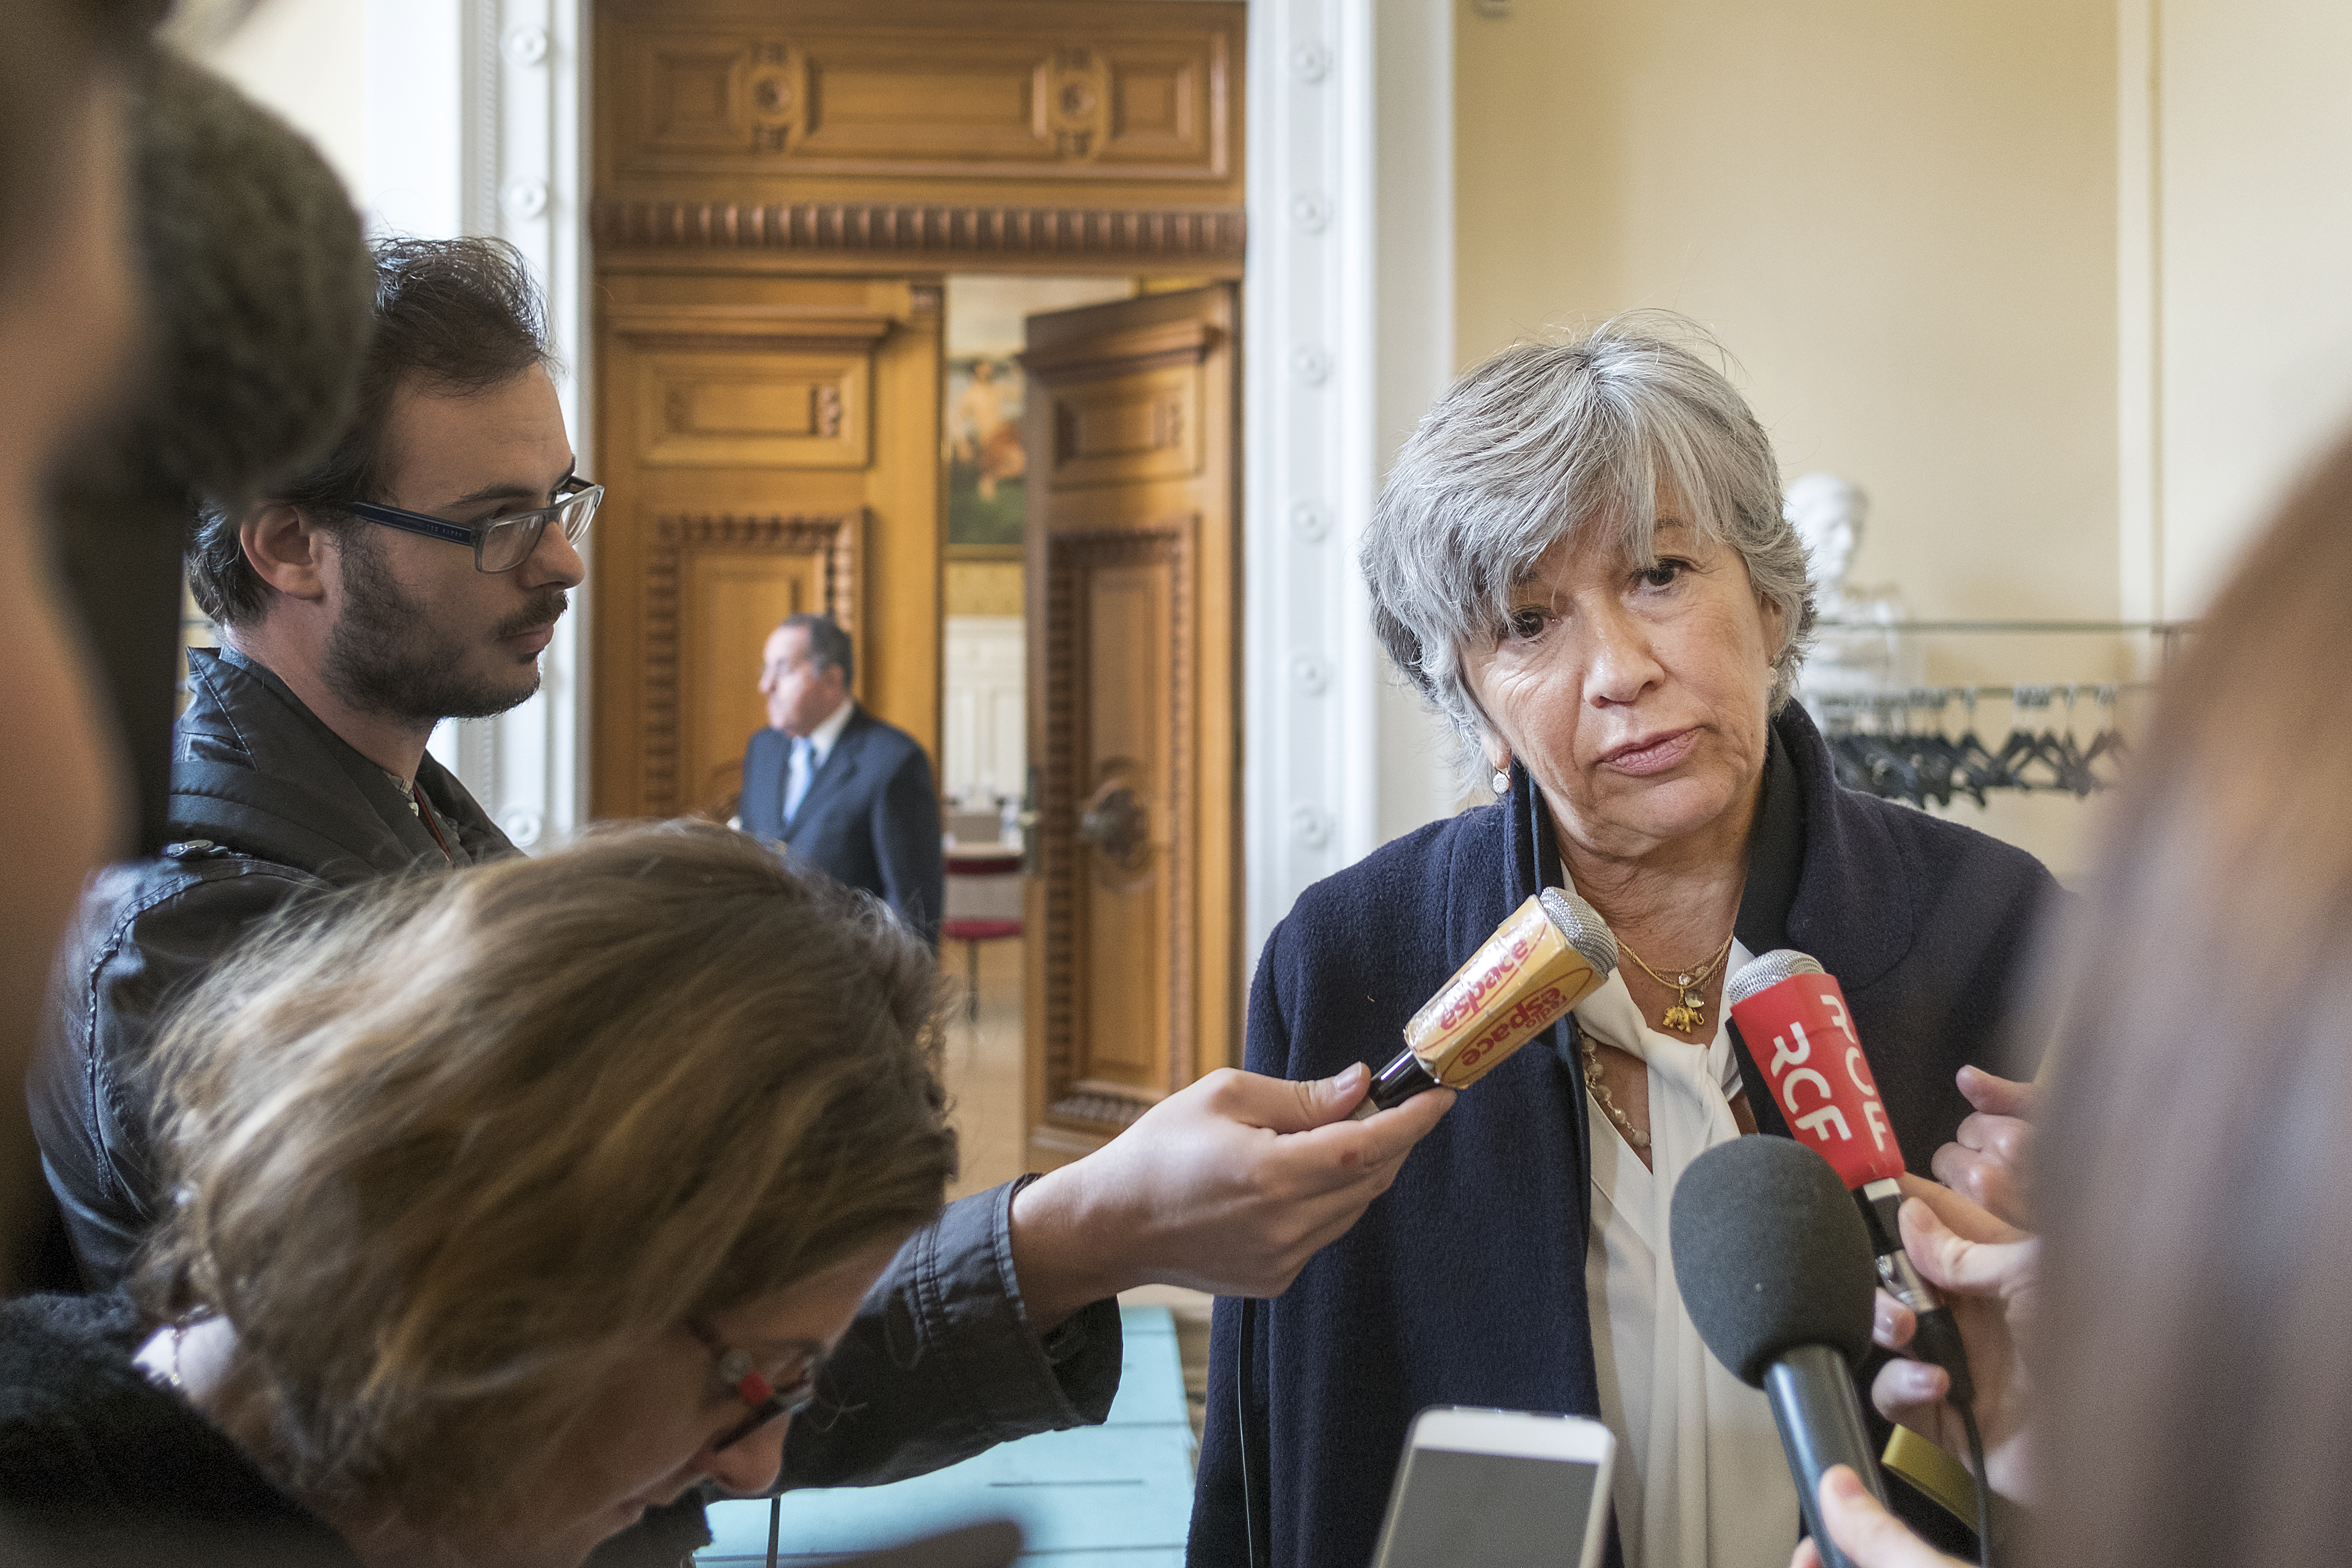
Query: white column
point(474, 127)
point(1413, 358)
point(1349, 323)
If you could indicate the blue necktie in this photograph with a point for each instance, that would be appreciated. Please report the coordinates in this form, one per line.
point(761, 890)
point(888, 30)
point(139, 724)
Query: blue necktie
point(797, 776)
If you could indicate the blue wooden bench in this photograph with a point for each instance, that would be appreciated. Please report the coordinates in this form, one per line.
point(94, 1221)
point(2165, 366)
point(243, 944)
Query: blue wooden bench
point(1114, 1496)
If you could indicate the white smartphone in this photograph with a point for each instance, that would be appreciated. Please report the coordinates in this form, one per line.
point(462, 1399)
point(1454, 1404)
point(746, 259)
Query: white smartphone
point(1503, 1488)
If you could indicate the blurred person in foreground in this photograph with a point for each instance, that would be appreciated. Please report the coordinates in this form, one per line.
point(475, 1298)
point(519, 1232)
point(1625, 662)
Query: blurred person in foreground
point(68, 305)
point(254, 280)
point(2183, 1321)
point(508, 1204)
point(1581, 559)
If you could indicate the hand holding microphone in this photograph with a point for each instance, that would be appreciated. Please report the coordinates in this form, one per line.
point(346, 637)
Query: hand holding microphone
point(1987, 1159)
point(1792, 1018)
point(1554, 951)
point(1989, 1273)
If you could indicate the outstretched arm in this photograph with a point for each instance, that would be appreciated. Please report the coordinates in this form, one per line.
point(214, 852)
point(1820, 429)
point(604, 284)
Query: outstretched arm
point(1227, 1187)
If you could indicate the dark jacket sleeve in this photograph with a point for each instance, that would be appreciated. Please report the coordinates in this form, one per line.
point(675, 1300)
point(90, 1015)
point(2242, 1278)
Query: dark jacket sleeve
point(941, 1363)
point(1229, 1500)
point(906, 826)
point(146, 932)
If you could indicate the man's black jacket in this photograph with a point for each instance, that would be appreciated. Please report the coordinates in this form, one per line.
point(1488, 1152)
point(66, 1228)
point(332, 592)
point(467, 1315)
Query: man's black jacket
point(267, 804)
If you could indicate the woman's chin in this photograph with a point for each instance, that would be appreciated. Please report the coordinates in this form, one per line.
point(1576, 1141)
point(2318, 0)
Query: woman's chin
point(1647, 812)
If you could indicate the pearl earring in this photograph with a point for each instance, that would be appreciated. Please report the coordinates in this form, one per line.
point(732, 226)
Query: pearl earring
point(1502, 782)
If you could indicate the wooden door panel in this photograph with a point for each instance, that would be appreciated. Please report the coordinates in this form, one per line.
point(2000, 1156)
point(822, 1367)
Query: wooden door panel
point(966, 99)
point(1120, 432)
point(1127, 94)
point(688, 97)
point(1125, 880)
point(1133, 709)
point(1159, 102)
point(771, 445)
point(756, 409)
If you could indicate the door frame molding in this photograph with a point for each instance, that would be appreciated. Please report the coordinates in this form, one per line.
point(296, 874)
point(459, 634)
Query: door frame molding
point(476, 117)
point(838, 542)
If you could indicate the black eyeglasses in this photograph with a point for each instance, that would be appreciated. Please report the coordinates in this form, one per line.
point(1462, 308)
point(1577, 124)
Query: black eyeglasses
point(501, 544)
point(767, 1401)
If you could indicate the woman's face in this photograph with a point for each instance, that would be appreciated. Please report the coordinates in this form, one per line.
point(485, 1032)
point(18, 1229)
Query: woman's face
point(647, 1440)
point(1633, 693)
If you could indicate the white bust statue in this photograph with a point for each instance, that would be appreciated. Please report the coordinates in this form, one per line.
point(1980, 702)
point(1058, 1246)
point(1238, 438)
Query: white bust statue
point(1828, 513)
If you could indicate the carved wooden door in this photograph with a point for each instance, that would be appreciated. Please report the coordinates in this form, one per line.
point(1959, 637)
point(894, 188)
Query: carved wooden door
point(769, 445)
point(1134, 705)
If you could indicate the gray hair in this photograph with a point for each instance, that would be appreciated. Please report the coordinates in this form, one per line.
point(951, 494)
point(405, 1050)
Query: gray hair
point(829, 647)
point(1543, 439)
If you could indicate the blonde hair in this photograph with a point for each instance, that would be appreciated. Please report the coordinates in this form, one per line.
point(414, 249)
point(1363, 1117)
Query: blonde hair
point(448, 1150)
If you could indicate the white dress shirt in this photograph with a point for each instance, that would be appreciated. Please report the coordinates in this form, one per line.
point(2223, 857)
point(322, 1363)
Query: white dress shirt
point(808, 754)
point(1700, 1481)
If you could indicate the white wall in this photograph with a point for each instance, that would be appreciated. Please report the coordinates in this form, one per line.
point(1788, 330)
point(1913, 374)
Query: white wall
point(984, 754)
point(1349, 323)
point(2237, 130)
point(305, 59)
point(1414, 225)
point(1898, 218)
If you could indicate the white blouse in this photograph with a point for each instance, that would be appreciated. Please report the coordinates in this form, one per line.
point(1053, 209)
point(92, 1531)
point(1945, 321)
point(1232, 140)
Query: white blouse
point(1700, 1480)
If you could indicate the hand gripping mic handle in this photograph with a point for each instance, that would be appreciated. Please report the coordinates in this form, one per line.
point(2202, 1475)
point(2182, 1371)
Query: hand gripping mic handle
point(1937, 1337)
point(1393, 1085)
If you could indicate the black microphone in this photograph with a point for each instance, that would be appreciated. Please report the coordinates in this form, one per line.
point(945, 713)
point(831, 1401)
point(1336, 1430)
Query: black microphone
point(1792, 1018)
point(1775, 1270)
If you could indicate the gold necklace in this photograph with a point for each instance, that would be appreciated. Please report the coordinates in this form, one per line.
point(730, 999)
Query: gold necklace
point(1685, 1015)
point(1602, 1097)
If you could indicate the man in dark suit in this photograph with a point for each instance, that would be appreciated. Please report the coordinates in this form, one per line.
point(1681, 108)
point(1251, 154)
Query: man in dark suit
point(836, 786)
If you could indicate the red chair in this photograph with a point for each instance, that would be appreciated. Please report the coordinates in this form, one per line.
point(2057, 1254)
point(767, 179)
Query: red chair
point(983, 898)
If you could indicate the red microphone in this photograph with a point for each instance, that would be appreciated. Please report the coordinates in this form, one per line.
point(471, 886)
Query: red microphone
point(1791, 1016)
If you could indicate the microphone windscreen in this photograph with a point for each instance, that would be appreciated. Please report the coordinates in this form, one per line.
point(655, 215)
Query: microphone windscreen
point(1770, 1254)
point(1764, 972)
point(1582, 926)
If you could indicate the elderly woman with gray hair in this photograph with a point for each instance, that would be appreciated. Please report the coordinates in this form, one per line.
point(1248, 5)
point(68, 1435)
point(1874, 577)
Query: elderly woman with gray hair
point(1581, 559)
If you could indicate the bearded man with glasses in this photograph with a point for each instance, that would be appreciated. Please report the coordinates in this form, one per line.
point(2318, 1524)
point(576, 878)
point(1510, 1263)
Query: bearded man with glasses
point(414, 574)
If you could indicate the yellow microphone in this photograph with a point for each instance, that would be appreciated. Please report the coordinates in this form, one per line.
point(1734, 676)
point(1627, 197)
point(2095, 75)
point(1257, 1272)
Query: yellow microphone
point(1552, 953)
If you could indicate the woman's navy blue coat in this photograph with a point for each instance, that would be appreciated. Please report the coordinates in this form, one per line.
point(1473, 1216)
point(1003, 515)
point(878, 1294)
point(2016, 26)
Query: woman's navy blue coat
point(1464, 1284)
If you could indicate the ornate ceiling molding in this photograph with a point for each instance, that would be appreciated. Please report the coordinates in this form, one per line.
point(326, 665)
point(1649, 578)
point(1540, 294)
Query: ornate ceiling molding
point(1209, 238)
